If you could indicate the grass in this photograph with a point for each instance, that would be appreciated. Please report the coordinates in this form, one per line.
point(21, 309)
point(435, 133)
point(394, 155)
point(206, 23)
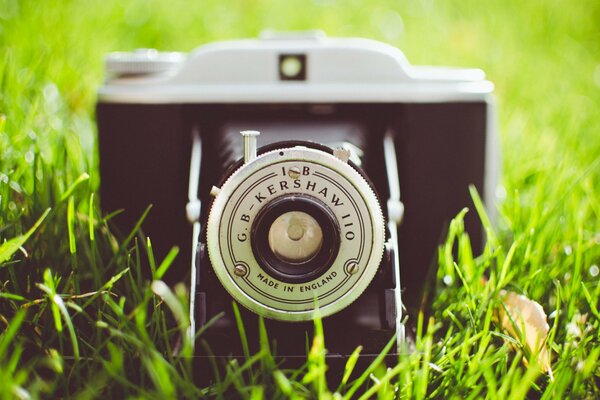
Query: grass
point(77, 319)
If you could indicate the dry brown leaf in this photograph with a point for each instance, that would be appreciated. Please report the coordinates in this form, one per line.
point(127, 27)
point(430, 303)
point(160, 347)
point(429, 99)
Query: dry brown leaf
point(525, 320)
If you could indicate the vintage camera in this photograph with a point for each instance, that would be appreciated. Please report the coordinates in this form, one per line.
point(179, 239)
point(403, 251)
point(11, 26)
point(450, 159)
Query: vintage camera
point(308, 214)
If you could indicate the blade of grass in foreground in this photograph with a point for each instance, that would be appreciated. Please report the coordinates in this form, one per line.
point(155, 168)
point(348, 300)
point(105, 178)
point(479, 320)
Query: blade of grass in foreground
point(241, 330)
point(71, 225)
point(82, 178)
point(58, 303)
point(10, 247)
point(358, 383)
point(11, 331)
point(316, 359)
point(349, 367)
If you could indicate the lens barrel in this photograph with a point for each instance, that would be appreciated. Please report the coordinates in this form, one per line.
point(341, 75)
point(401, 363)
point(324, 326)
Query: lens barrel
point(302, 270)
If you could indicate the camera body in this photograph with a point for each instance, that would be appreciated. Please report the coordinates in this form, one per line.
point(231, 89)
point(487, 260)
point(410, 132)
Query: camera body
point(344, 124)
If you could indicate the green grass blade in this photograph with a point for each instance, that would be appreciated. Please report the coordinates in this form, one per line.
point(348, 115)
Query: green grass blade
point(7, 249)
point(162, 290)
point(166, 262)
point(12, 296)
point(349, 367)
point(7, 336)
point(60, 305)
point(241, 330)
point(82, 178)
point(71, 225)
point(91, 220)
point(283, 383)
point(358, 383)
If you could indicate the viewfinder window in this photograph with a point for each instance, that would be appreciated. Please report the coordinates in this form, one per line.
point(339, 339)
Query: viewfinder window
point(292, 67)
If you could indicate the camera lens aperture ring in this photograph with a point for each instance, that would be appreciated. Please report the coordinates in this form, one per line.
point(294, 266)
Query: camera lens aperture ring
point(336, 203)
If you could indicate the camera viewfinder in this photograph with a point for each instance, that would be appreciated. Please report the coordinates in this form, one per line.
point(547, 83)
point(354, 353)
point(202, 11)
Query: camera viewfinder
point(292, 67)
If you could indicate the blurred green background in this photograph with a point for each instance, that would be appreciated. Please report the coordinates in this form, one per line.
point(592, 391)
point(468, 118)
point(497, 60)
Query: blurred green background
point(544, 58)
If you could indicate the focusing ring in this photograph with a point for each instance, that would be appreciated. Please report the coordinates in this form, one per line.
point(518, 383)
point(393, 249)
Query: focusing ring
point(298, 171)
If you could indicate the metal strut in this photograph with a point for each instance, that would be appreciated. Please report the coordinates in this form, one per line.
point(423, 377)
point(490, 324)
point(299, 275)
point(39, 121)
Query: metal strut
point(193, 215)
point(395, 210)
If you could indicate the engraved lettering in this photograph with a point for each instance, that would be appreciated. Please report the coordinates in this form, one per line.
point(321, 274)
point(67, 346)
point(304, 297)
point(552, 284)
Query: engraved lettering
point(271, 189)
point(311, 185)
point(289, 289)
point(320, 283)
point(260, 197)
point(323, 192)
point(283, 185)
point(245, 218)
point(336, 201)
point(242, 237)
point(345, 216)
point(267, 281)
point(305, 171)
point(296, 184)
point(350, 235)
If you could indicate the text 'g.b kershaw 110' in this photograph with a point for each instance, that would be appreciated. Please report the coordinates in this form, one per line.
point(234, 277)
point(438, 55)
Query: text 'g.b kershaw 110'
point(296, 146)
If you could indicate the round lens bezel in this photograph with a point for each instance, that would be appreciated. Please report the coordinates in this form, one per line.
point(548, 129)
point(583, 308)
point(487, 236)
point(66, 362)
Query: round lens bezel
point(237, 269)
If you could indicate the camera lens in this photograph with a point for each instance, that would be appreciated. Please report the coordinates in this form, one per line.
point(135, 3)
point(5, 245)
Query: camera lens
point(295, 227)
point(295, 237)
